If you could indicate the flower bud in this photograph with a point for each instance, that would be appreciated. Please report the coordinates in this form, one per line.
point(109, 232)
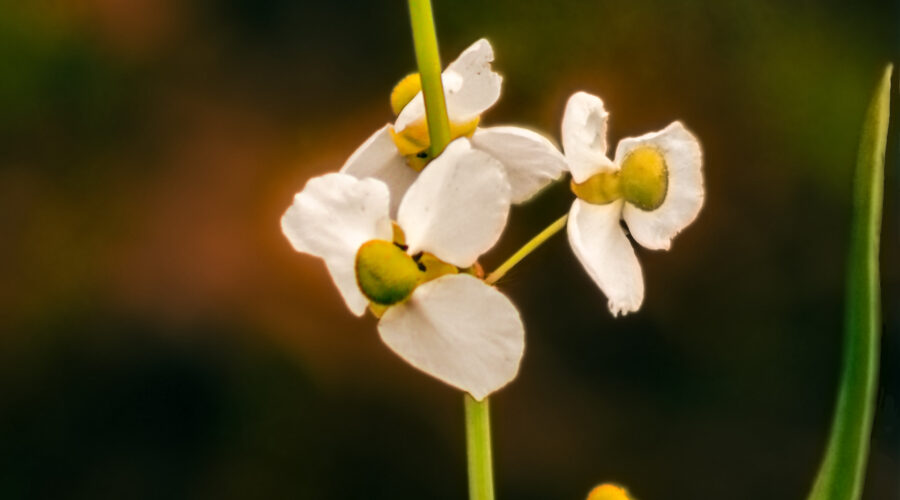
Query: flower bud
point(608, 492)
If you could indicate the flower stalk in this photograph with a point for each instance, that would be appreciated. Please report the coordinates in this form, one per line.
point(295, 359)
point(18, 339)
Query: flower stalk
point(478, 446)
point(428, 60)
point(526, 249)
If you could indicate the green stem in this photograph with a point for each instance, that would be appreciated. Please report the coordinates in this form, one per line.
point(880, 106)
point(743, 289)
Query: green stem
point(529, 247)
point(429, 61)
point(478, 447)
point(478, 427)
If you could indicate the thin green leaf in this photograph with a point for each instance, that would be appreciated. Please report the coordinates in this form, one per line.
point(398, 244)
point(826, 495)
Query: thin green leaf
point(842, 473)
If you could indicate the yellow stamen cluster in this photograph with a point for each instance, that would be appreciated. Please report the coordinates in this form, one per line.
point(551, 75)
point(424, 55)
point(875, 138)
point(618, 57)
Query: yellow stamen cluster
point(642, 180)
point(413, 141)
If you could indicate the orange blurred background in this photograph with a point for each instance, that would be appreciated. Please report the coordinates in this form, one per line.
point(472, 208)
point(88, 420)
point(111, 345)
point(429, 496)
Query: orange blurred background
point(161, 339)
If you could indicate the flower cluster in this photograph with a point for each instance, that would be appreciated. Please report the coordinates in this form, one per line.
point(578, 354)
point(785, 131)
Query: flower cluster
point(401, 232)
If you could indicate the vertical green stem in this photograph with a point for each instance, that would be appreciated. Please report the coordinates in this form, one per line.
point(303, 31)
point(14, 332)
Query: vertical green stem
point(478, 445)
point(478, 427)
point(429, 61)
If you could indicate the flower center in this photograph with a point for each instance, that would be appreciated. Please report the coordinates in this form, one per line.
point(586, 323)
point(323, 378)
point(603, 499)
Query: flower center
point(642, 181)
point(387, 275)
point(413, 141)
point(644, 178)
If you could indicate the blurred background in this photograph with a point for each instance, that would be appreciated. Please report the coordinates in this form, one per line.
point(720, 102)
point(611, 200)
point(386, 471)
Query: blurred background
point(161, 339)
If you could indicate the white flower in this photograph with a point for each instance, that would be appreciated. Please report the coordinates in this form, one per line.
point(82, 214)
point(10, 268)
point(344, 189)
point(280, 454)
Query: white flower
point(439, 318)
point(654, 184)
point(396, 152)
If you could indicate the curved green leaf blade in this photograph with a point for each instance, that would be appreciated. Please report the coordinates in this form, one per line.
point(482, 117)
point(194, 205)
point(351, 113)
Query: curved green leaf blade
point(842, 472)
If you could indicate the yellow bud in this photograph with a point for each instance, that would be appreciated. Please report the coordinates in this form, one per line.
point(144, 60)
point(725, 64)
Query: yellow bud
point(404, 92)
point(385, 273)
point(599, 189)
point(608, 492)
point(644, 178)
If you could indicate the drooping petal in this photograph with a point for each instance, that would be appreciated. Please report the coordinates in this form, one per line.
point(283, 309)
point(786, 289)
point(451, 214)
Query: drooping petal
point(378, 157)
point(605, 252)
point(470, 87)
point(331, 218)
point(684, 196)
point(460, 331)
point(584, 136)
point(531, 160)
point(458, 206)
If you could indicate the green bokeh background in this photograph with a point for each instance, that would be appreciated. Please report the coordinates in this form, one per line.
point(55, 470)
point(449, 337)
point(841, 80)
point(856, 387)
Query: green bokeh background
point(160, 338)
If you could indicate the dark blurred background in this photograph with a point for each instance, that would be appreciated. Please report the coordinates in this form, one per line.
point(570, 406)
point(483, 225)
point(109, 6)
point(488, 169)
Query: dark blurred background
point(160, 338)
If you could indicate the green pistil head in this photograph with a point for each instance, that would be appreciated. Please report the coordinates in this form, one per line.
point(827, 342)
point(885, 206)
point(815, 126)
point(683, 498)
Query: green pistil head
point(644, 178)
point(599, 189)
point(385, 273)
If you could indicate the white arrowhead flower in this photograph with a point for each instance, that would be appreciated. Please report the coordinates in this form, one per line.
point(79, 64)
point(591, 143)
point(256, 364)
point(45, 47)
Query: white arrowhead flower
point(654, 184)
point(416, 275)
point(397, 152)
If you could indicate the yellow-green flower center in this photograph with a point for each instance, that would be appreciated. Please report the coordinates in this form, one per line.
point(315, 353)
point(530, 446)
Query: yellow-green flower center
point(387, 274)
point(642, 180)
point(413, 141)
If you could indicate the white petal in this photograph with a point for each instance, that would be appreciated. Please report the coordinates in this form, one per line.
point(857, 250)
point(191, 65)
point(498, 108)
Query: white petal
point(684, 197)
point(531, 160)
point(331, 218)
point(378, 157)
point(584, 136)
point(458, 206)
point(480, 87)
point(470, 87)
point(605, 252)
point(460, 331)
